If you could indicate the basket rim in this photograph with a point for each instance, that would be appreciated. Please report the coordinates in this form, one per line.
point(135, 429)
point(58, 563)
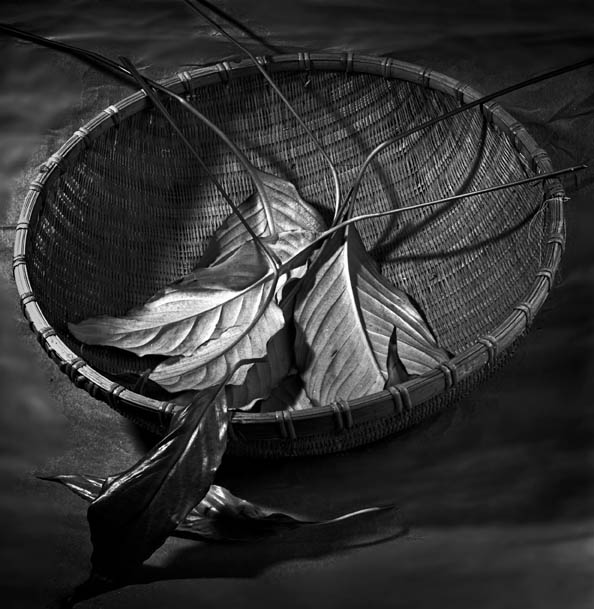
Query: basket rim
point(334, 418)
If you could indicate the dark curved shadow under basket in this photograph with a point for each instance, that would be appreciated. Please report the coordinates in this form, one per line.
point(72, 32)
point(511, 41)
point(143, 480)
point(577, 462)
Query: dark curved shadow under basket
point(122, 209)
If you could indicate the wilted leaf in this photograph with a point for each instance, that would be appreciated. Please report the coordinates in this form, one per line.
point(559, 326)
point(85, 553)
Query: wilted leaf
point(87, 487)
point(221, 516)
point(289, 212)
point(345, 314)
point(138, 509)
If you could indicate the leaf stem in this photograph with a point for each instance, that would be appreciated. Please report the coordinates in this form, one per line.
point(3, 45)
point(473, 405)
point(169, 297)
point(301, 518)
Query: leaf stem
point(240, 26)
point(298, 258)
point(350, 198)
point(114, 67)
point(192, 4)
point(272, 257)
point(274, 276)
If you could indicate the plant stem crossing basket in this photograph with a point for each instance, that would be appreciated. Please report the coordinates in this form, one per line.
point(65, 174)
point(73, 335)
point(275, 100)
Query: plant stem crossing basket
point(122, 209)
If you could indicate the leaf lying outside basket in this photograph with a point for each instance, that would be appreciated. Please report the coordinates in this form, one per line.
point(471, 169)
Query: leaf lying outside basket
point(139, 508)
point(220, 516)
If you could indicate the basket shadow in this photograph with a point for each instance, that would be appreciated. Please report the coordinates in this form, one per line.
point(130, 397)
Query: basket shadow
point(383, 243)
point(288, 168)
point(466, 249)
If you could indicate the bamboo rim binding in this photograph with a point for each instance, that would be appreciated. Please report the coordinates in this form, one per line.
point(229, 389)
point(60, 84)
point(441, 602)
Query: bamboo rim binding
point(332, 427)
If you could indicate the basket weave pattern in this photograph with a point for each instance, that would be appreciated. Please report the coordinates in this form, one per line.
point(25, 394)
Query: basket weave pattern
point(123, 209)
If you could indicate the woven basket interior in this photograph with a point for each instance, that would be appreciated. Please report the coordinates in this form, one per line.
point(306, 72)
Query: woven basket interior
point(134, 211)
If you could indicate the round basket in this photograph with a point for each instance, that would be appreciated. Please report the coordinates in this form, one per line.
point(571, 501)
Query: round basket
point(123, 209)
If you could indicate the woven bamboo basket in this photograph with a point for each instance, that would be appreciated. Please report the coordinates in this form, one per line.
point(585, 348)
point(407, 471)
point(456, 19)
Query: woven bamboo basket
point(122, 209)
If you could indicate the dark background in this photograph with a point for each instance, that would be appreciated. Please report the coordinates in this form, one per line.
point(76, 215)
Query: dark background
point(495, 498)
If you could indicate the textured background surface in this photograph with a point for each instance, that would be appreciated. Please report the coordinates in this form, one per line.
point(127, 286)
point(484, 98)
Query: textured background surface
point(497, 496)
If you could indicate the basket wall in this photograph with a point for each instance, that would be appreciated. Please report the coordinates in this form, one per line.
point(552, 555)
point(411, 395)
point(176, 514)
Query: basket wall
point(134, 211)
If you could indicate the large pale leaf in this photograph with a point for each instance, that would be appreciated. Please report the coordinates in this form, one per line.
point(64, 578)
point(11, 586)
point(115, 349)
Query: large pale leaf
point(345, 314)
point(211, 363)
point(289, 213)
point(188, 313)
point(204, 322)
point(138, 509)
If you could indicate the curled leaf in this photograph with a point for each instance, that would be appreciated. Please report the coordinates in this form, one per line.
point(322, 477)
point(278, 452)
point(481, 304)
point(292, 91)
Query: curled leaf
point(138, 509)
point(345, 313)
point(221, 516)
point(87, 487)
point(395, 368)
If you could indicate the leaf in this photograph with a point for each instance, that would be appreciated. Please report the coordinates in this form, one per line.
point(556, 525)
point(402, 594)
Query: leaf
point(87, 487)
point(345, 314)
point(212, 362)
point(396, 371)
point(257, 381)
point(289, 394)
point(289, 211)
point(184, 315)
point(221, 516)
point(200, 322)
point(138, 509)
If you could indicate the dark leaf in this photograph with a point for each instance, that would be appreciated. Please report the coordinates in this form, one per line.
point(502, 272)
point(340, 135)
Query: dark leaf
point(138, 509)
point(395, 369)
point(345, 313)
point(221, 516)
point(87, 487)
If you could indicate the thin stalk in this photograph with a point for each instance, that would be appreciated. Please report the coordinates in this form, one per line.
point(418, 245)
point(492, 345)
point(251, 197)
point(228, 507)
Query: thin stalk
point(192, 4)
point(352, 193)
point(107, 64)
point(272, 257)
point(298, 258)
point(252, 171)
point(240, 26)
